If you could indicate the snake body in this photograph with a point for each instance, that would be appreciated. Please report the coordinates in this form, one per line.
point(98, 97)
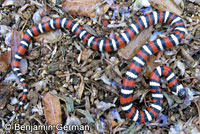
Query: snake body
point(109, 45)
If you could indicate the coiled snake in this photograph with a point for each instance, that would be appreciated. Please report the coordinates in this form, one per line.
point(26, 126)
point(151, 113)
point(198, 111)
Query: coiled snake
point(110, 45)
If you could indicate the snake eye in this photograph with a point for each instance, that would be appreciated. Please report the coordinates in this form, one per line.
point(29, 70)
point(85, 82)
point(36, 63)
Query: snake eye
point(182, 93)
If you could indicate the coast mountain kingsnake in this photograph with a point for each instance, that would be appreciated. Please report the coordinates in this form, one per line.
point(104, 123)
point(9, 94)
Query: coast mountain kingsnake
point(109, 45)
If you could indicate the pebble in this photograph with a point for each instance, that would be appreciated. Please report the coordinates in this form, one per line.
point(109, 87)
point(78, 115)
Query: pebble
point(62, 89)
point(191, 8)
point(173, 118)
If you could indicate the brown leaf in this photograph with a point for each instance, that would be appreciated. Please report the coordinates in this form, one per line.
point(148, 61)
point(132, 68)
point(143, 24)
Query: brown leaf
point(15, 42)
point(82, 86)
point(49, 37)
point(132, 48)
point(84, 7)
point(113, 123)
point(52, 108)
point(186, 55)
point(5, 61)
point(166, 5)
point(151, 65)
point(86, 53)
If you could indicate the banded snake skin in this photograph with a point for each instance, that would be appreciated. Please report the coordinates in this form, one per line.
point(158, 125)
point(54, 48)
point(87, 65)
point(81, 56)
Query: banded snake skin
point(109, 45)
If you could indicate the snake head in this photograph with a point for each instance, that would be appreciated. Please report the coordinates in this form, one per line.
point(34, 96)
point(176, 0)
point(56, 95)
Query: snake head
point(182, 93)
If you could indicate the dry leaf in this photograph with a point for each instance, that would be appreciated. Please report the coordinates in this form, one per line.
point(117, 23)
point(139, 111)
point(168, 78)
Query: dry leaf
point(166, 5)
point(8, 3)
point(5, 61)
point(84, 7)
point(13, 3)
point(52, 108)
point(81, 86)
point(86, 53)
point(113, 123)
point(138, 4)
point(132, 48)
point(87, 115)
point(23, 66)
point(181, 66)
point(15, 41)
point(151, 65)
point(187, 55)
point(4, 95)
point(49, 37)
